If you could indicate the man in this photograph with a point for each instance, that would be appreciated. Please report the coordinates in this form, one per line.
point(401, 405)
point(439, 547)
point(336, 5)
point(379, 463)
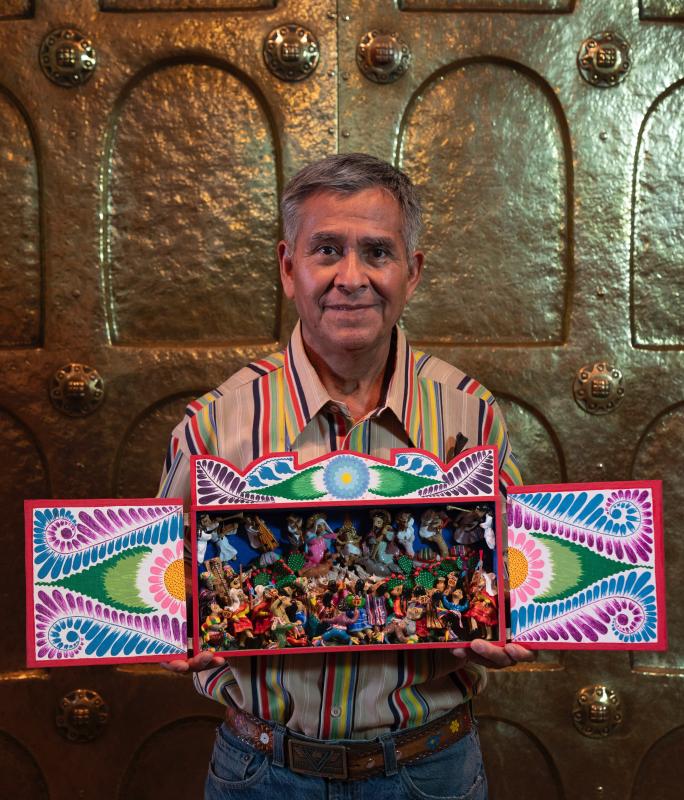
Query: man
point(347, 380)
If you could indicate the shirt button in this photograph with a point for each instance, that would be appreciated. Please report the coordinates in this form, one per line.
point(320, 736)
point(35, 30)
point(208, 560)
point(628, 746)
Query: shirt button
point(335, 409)
point(335, 711)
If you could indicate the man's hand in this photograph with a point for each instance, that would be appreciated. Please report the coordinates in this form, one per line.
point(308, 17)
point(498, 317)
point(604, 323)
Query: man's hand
point(494, 656)
point(206, 660)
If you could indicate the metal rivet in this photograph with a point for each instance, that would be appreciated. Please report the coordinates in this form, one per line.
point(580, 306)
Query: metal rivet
point(81, 716)
point(67, 57)
point(382, 57)
point(346, 18)
point(291, 52)
point(603, 59)
point(346, 134)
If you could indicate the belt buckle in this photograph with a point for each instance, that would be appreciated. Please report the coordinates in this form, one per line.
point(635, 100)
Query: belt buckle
point(317, 759)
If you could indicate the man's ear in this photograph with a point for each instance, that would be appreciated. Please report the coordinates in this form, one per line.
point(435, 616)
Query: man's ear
point(286, 269)
point(415, 268)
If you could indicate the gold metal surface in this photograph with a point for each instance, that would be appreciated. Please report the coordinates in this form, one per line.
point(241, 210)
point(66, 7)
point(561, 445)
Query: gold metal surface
point(82, 715)
point(603, 59)
point(291, 52)
point(68, 57)
point(186, 5)
point(139, 217)
point(382, 57)
point(546, 6)
point(15, 9)
point(21, 276)
point(599, 388)
point(661, 9)
point(77, 390)
point(597, 711)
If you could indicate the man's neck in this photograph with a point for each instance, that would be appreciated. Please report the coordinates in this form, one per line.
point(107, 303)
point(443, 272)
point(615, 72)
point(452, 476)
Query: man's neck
point(355, 378)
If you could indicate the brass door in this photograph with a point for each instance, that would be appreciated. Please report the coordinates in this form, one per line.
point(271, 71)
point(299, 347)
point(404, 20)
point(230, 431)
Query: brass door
point(139, 214)
point(554, 239)
point(139, 218)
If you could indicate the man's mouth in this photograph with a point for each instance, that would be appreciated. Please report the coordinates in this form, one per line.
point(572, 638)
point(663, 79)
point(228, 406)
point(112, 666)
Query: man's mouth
point(345, 307)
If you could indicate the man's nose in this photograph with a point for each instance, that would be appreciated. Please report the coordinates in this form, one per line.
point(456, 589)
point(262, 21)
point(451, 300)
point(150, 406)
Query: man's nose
point(351, 272)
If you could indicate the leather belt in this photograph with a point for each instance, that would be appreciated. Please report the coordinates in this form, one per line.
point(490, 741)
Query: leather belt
point(351, 761)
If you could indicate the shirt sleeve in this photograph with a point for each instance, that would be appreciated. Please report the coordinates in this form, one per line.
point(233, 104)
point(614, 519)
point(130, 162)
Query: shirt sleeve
point(494, 432)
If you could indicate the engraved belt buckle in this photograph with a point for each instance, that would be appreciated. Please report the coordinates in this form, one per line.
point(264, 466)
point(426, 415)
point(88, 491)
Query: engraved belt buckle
point(317, 759)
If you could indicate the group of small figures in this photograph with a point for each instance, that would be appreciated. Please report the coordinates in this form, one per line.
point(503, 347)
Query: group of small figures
point(367, 590)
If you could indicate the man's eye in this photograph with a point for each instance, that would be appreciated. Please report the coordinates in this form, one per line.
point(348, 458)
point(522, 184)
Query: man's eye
point(378, 253)
point(326, 250)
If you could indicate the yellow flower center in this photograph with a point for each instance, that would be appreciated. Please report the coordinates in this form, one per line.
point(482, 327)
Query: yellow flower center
point(517, 567)
point(346, 477)
point(174, 579)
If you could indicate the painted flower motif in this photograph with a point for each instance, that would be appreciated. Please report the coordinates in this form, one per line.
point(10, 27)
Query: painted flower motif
point(526, 561)
point(455, 725)
point(346, 477)
point(56, 527)
point(433, 742)
point(162, 578)
point(627, 511)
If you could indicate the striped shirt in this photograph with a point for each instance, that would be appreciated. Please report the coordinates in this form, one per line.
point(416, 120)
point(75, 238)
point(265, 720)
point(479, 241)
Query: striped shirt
point(279, 404)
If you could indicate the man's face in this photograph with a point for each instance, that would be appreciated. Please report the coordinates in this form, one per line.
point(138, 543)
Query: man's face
point(349, 274)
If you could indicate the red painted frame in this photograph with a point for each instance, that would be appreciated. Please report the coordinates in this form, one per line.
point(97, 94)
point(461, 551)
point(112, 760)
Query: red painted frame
point(195, 508)
point(658, 555)
point(29, 506)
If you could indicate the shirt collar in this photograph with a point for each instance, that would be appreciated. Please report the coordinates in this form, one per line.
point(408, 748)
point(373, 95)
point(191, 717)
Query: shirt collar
point(306, 395)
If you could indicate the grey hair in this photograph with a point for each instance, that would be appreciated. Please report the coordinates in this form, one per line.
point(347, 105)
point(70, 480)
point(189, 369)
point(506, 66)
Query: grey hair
point(348, 173)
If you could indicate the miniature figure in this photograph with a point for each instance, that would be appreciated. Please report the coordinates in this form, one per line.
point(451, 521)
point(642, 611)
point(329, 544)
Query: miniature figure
point(260, 537)
point(206, 532)
point(228, 528)
point(295, 534)
point(405, 531)
point(483, 605)
point(348, 541)
point(432, 523)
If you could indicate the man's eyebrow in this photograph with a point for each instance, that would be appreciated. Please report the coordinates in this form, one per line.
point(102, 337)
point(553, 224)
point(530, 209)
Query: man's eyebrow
point(378, 241)
point(324, 236)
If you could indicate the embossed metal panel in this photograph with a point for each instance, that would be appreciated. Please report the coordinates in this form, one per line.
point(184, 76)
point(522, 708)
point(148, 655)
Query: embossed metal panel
point(657, 300)
point(553, 238)
point(487, 117)
point(543, 6)
point(20, 254)
point(179, 225)
point(186, 5)
point(662, 9)
point(14, 9)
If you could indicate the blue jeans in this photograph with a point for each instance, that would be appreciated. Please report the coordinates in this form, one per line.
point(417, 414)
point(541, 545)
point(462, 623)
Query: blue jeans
point(239, 771)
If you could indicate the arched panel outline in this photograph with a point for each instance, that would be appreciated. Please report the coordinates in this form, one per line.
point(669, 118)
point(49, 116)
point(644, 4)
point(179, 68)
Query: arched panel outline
point(545, 424)
point(33, 138)
point(651, 425)
point(650, 750)
point(33, 440)
point(632, 244)
point(553, 770)
point(146, 741)
point(110, 141)
point(30, 758)
point(568, 254)
point(139, 417)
